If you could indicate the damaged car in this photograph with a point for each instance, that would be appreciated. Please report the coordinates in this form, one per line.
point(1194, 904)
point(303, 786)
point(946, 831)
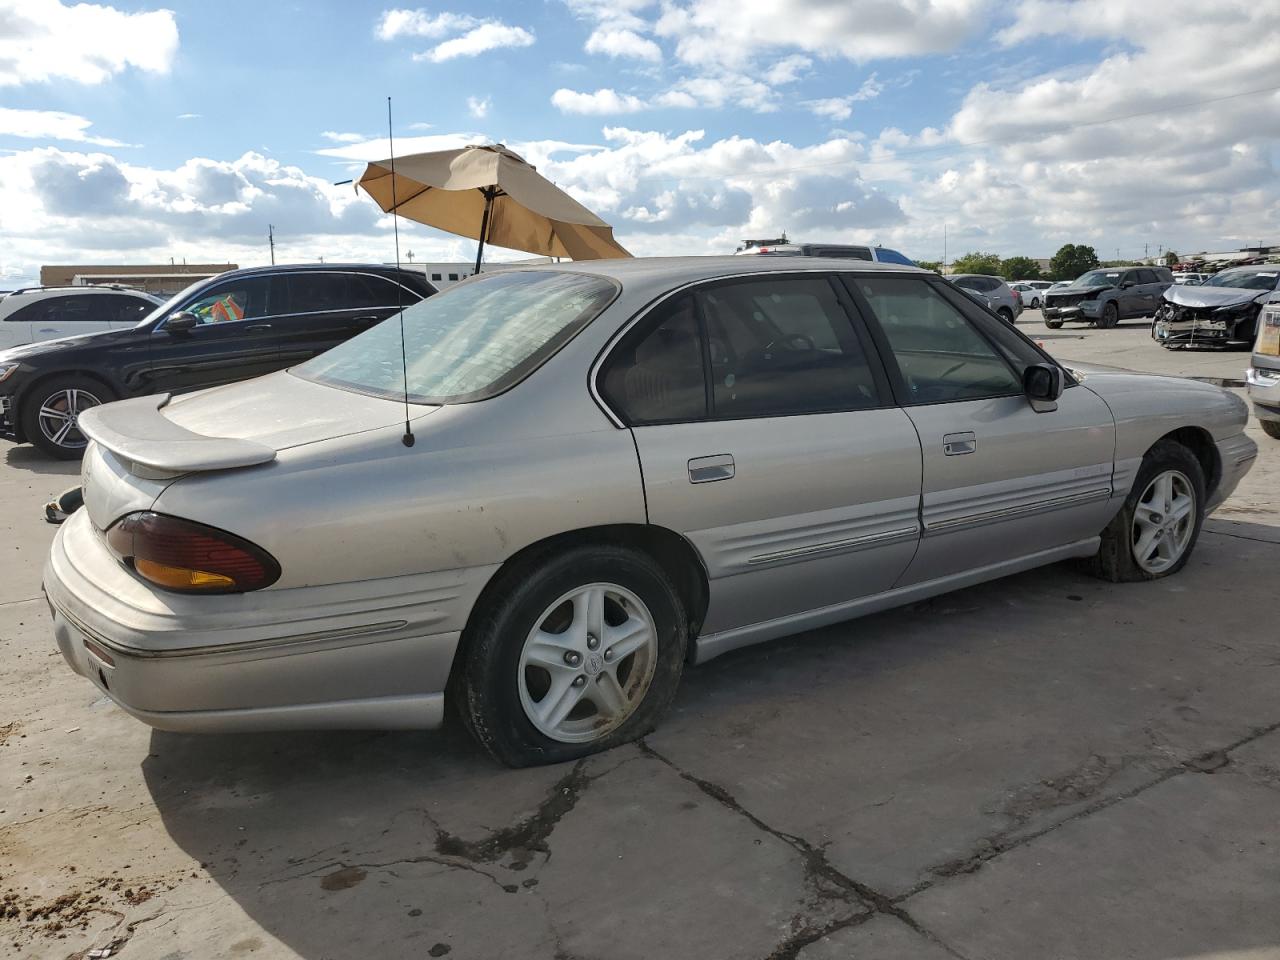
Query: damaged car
point(1222, 311)
point(1105, 297)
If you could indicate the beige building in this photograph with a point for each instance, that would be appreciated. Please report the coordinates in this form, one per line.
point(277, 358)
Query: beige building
point(164, 278)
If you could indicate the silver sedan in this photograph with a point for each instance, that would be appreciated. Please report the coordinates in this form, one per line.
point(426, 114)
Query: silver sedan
point(548, 491)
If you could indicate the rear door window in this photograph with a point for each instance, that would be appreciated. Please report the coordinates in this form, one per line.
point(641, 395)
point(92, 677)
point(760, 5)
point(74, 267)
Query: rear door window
point(657, 374)
point(318, 292)
point(783, 346)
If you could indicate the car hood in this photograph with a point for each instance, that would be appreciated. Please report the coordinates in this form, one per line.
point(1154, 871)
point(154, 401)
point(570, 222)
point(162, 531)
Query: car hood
point(41, 347)
point(1072, 288)
point(237, 425)
point(1197, 296)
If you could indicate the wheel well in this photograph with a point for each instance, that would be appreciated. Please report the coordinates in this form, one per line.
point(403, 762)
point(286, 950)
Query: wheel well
point(1200, 443)
point(671, 551)
point(21, 397)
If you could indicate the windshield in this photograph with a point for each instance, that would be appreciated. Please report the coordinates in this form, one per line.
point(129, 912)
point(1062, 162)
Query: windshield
point(473, 341)
point(1099, 278)
point(1245, 279)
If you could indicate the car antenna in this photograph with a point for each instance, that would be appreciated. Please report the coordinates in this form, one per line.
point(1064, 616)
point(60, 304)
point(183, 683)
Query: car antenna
point(407, 439)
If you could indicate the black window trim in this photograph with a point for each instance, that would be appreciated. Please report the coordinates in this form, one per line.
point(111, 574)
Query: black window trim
point(875, 362)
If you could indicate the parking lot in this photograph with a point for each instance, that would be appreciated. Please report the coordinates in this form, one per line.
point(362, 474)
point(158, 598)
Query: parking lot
point(1043, 766)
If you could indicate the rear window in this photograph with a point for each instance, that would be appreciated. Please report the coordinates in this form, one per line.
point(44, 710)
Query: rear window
point(471, 342)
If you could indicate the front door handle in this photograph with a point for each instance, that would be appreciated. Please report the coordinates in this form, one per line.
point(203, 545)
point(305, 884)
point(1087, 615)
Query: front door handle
point(708, 469)
point(366, 320)
point(258, 328)
point(957, 444)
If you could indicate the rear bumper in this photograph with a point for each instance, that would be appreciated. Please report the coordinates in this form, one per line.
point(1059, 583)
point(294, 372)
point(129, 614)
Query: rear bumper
point(369, 654)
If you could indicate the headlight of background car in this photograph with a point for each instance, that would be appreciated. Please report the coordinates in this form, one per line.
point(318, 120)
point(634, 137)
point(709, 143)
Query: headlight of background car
point(6, 369)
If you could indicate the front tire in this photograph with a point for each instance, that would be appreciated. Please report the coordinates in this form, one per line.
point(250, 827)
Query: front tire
point(51, 411)
point(1053, 324)
point(1156, 530)
point(1271, 428)
point(1110, 316)
point(580, 651)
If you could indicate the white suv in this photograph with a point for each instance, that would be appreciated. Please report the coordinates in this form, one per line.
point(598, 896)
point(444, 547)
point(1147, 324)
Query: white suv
point(46, 313)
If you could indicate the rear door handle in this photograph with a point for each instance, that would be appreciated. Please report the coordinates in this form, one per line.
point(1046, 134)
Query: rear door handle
point(957, 444)
point(709, 469)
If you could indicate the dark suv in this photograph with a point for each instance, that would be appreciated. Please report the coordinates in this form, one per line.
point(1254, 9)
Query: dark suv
point(1105, 297)
point(231, 327)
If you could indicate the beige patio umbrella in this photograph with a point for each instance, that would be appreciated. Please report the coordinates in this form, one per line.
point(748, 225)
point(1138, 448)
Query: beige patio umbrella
point(491, 195)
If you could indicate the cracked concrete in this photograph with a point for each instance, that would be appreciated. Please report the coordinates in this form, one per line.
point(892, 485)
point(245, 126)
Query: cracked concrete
point(1047, 766)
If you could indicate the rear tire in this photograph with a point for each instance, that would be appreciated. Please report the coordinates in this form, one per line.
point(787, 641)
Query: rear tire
point(1271, 428)
point(1156, 530)
point(1035, 303)
point(1006, 315)
point(1053, 324)
point(51, 409)
point(1110, 316)
point(540, 683)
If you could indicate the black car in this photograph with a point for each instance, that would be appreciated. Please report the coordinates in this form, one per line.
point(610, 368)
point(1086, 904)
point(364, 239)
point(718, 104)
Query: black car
point(231, 327)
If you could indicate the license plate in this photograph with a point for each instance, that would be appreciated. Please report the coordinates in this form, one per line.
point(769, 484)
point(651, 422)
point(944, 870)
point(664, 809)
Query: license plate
point(1269, 338)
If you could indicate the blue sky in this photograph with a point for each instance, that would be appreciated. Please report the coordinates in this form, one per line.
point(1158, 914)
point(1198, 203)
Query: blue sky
point(136, 131)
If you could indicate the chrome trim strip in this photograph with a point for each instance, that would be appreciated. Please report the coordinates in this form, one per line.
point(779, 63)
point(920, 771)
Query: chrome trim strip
point(849, 544)
point(1099, 493)
point(273, 643)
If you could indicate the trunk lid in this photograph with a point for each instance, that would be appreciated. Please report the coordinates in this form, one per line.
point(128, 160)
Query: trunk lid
point(143, 444)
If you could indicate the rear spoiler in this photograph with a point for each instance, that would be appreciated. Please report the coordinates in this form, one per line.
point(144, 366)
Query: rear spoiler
point(138, 432)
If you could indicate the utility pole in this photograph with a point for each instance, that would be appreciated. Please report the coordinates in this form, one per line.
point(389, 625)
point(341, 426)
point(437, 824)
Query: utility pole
point(1146, 250)
point(409, 255)
point(271, 239)
point(944, 248)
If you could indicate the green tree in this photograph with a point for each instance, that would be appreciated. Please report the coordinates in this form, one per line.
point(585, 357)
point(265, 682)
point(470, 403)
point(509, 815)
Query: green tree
point(986, 263)
point(1072, 260)
point(1171, 259)
point(933, 265)
point(1020, 268)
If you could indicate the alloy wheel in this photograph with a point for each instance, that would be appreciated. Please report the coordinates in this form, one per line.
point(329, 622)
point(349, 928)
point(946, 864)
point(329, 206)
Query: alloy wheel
point(1164, 520)
point(59, 417)
point(587, 663)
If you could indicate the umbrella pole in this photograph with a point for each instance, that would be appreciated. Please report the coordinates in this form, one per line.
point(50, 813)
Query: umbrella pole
point(484, 227)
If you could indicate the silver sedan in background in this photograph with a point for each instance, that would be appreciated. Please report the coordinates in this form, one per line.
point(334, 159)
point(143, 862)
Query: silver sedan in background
point(559, 486)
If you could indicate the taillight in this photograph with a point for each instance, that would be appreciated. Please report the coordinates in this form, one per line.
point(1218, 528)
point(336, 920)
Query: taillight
point(190, 557)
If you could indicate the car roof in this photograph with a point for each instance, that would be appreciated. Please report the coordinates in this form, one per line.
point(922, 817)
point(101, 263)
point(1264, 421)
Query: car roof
point(985, 276)
point(316, 267)
point(679, 270)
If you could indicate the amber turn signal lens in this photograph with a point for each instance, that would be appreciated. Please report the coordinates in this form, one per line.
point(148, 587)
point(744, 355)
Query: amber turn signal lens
point(181, 578)
point(190, 557)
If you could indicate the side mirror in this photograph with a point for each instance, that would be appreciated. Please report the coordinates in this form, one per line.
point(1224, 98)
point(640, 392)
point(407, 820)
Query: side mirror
point(1043, 384)
point(1126, 284)
point(181, 322)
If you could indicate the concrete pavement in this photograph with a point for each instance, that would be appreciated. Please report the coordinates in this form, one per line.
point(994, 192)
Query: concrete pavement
point(1044, 766)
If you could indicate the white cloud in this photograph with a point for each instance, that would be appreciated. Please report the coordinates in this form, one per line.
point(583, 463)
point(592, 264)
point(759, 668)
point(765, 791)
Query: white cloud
point(418, 23)
point(50, 125)
point(623, 43)
point(189, 116)
point(379, 148)
point(337, 137)
point(833, 108)
point(730, 33)
point(478, 107)
point(788, 69)
point(481, 39)
point(473, 36)
point(870, 89)
point(603, 101)
point(42, 40)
